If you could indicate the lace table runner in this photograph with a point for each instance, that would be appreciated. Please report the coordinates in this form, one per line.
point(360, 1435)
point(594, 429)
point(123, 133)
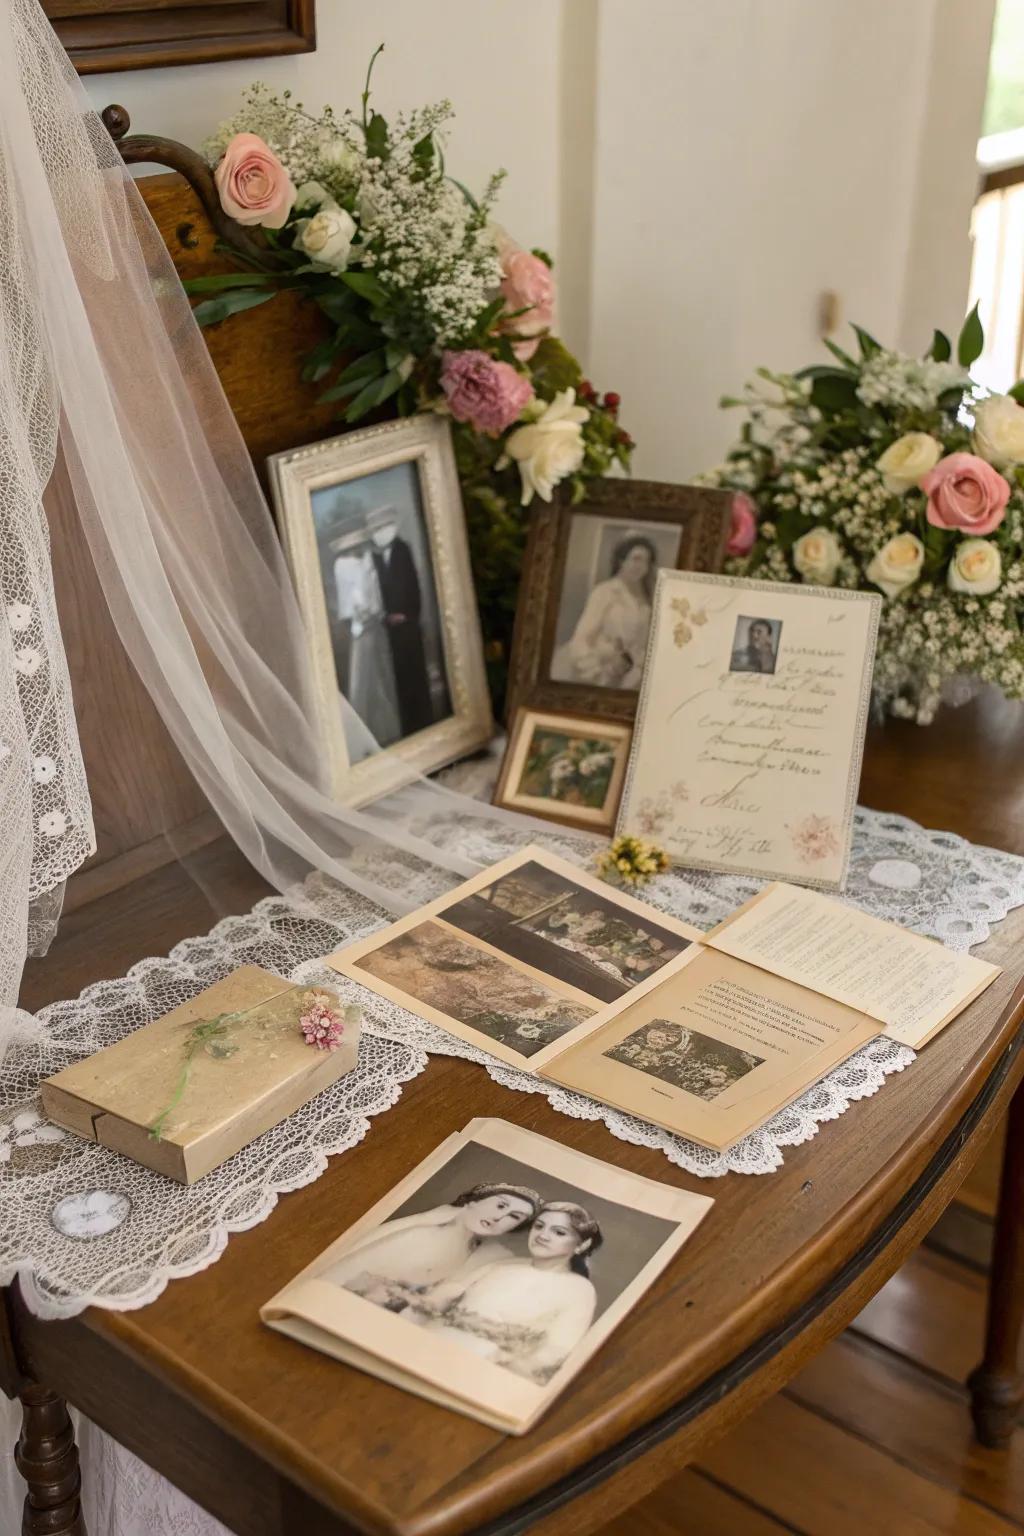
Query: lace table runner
point(83, 1226)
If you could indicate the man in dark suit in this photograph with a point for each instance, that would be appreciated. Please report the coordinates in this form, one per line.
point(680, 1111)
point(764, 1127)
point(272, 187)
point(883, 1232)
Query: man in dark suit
point(403, 602)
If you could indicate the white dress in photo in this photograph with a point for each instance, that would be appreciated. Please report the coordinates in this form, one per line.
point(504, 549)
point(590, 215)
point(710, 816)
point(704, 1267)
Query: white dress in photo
point(370, 682)
point(415, 1250)
point(608, 645)
point(519, 1315)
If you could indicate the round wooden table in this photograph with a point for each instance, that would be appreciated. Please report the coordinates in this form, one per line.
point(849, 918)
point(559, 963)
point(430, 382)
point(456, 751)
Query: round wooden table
point(276, 1439)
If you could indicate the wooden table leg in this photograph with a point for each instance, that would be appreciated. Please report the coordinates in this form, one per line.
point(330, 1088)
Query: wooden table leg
point(996, 1386)
point(47, 1458)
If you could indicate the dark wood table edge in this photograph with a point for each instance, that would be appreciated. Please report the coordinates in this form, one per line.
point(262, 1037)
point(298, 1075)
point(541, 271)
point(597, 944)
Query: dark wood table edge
point(591, 1475)
point(671, 1420)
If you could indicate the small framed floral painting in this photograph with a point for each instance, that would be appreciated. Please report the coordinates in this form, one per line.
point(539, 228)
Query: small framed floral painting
point(584, 612)
point(566, 768)
point(374, 533)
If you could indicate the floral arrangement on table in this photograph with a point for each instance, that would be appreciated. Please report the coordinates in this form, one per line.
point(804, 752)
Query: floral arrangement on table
point(897, 475)
point(433, 307)
point(631, 861)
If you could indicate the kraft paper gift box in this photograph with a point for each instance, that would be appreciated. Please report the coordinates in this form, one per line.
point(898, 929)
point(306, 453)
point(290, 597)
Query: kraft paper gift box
point(209, 1090)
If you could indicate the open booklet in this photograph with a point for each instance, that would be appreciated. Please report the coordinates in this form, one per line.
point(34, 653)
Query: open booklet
point(707, 1035)
point(491, 1274)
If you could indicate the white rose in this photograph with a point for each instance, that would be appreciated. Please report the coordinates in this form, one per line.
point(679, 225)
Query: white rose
point(897, 564)
point(312, 195)
point(816, 556)
point(327, 237)
point(549, 448)
point(999, 430)
point(907, 459)
point(338, 155)
point(976, 568)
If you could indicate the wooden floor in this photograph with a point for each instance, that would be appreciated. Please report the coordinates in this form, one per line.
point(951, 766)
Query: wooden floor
point(872, 1438)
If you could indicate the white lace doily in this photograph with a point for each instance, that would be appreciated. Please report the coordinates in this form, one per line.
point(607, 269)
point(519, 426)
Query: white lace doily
point(83, 1226)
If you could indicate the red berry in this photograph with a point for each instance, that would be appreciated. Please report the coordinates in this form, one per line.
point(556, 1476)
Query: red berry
point(586, 390)
point(612, 401)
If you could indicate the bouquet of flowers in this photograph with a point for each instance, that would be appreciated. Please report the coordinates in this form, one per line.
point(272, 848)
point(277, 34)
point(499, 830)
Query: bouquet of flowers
point(897, 475)
point(432, 306)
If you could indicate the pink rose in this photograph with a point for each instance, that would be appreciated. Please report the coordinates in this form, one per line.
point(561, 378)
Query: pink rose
point(742, 525)
point(254, 186)
point(487, 394)
point(964, 492)
point(527, 284)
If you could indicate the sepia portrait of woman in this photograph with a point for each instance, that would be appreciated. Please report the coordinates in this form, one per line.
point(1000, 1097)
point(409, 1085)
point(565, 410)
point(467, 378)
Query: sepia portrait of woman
point(528, 1314)
point(397, 1260)
point(609, 642)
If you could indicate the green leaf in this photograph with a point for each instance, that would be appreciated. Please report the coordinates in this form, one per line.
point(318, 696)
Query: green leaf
point(423, 152)
point(318, 359)
point(211, 311)
point(363, 371)
point(377, 137)
point(844, 357)
point(554, 365)
point(868, 344)
point(834, 391)
point(225, 280)
point(971, 341)
point(366, 286)
point(941, 349)
point(374, 394)
point(1017, 392)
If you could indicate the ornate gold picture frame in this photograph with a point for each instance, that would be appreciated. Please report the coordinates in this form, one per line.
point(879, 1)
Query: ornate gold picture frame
point(374, 534)
point(582, 619)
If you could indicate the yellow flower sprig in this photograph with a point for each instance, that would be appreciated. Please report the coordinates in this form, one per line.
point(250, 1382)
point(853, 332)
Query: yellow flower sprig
point(631, 861)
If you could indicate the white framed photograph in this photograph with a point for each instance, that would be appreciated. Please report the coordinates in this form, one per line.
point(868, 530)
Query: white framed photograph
point(373, 530)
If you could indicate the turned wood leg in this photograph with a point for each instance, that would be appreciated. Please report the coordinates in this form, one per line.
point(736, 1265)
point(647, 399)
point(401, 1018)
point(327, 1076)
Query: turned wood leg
point(47, 1458)
point(996, 1386)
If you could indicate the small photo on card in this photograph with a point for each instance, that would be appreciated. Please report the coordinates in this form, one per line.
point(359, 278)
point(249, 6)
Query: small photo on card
point(696, 1063)
point(755, 644)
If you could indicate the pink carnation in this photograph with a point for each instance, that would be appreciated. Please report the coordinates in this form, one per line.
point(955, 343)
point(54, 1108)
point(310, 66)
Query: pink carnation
point(742, 525)
point(321, 1026)
point(966, 493)
point(487, 394)
point(254, 186)
point(527, 284)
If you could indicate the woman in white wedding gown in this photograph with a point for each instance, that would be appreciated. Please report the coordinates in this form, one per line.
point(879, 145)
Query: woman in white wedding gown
point(399, 1259)
point(527, 1315)
point(609, 643)
point(369, 674)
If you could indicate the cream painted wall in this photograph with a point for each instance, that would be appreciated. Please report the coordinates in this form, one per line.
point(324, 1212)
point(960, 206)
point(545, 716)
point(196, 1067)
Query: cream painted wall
point(498, 61)
point(702, 169)
point(750, 155)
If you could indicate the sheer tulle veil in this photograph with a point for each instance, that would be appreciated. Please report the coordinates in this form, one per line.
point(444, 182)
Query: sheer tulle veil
point(105, 379)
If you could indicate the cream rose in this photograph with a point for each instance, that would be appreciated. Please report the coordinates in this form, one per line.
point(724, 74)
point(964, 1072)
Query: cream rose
point(976, 568)
point(327, 237)
point(549, 448)
point(897, 564)
point(999, 431)
point(907, 459)
point(816, 556)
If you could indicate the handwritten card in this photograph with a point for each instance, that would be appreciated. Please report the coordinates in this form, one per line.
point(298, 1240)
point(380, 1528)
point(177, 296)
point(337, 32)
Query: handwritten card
point(750, 730)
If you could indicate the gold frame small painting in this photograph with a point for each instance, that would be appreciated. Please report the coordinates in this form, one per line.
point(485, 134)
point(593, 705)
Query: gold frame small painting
point(573, 763)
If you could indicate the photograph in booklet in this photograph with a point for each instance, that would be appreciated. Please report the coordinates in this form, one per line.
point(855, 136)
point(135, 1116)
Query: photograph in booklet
point(519, 958)
point(490, 1275)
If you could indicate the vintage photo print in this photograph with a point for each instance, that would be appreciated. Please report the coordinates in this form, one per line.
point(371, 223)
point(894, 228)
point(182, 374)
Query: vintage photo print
point(684, 1057)
point(496, 1257)
point(755, 644)
point(382, 601)
point(553, 923)
point(566, 768)
point(432, 965)
point(604, 607)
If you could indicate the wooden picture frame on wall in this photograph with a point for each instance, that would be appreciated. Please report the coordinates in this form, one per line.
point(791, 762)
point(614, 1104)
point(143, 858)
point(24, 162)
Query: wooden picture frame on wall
point(570, 588)
point(102, 35)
